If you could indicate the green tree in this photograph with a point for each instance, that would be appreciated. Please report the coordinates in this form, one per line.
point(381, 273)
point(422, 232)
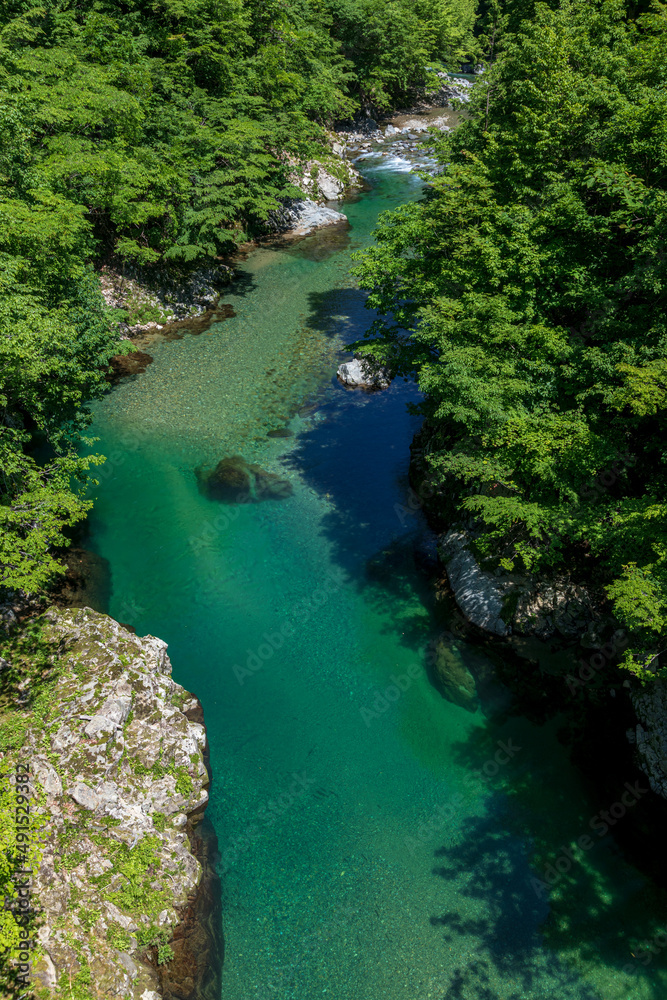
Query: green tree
point(531, 281)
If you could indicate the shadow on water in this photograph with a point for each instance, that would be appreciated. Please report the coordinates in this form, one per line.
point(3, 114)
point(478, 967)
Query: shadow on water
point(501, 860)
point(357, 456)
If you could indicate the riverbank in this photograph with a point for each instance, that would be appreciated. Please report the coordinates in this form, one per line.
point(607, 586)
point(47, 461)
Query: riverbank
point(557, 648)
point(115, 759)
point(149, 302)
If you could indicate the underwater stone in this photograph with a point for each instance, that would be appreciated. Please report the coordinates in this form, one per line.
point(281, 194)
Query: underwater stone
point(454, 679)
point(230, 481)
point(236, 481)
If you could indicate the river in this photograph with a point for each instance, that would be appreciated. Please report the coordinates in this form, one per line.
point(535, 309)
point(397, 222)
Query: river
point(376, 841)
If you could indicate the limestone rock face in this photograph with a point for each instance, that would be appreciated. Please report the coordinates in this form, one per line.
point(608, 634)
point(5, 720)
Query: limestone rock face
point(505, 603)
point(363, 373)
point(304, 216)
point(650, 733)
point(479, 596)
point(116, 766)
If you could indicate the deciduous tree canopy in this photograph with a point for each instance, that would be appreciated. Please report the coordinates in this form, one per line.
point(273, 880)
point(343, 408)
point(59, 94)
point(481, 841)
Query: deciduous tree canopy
point(160, 131)
point(532, 281)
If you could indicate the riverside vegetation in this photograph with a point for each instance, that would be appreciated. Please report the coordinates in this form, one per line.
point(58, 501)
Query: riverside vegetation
point(161, 134)
point(531, 281)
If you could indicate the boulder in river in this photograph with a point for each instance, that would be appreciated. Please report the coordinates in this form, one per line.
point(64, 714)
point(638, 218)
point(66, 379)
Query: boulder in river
point(269, 486)
point(236, 481)
point(364, 373)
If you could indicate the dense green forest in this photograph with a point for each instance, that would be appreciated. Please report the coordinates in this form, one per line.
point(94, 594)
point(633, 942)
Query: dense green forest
point(155, 133)
point(533, 276)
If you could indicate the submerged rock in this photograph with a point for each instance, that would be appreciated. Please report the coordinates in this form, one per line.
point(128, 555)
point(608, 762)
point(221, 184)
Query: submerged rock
point(269, 486)
point(236, 481)
point(452, 675)
point(363, 373)
point(230, 481)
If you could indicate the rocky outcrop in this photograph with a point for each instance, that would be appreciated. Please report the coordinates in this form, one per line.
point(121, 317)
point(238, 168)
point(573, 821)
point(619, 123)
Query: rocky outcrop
point(300, 217)
point(450, 89)
point(118, 781)
point(364, 373)
point(556, 607)
point(479, 596)
point(151, 301)
point(649, 736)
point(504, 604)
point(332, 181)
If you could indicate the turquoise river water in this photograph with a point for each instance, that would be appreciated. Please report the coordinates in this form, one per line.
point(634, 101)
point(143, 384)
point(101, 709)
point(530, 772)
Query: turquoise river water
point(371, 848)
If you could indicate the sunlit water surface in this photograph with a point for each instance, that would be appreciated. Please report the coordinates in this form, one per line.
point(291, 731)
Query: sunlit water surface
point(366, 851)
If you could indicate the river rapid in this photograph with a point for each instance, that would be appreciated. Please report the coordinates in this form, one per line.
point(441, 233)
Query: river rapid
point(376, 841)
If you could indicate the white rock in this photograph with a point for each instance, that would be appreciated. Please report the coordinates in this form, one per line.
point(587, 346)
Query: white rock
point(127, 964)
point(117, 709)
point(100, 724)
point(306, 216)
point(48, 777)
point(359, 373)
point(85, 796)
point(477, 594)
point(157, 658)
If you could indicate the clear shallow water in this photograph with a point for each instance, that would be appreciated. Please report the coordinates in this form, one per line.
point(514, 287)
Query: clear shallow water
point(369, 850)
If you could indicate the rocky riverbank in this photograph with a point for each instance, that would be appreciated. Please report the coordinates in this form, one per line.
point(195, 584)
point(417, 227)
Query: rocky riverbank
point(552, 652)
point(149, 302)
point(116, 756)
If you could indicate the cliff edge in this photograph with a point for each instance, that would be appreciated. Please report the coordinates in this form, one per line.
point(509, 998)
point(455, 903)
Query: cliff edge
point(118, 784)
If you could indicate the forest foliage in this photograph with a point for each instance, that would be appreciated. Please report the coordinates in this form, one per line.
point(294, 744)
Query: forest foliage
point(527, 294)
point(157, 132)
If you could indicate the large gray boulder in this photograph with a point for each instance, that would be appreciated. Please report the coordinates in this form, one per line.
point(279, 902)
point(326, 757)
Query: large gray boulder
point(304, 217)
point(479, 595)
point(363, 374)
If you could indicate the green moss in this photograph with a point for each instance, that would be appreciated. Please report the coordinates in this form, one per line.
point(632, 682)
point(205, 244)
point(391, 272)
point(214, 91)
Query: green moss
point(138, 867)
point(145, 312)
point(88, 919)
point(76, 987)
point(184, 784)
point(159, 821)
point(70, 861)
point(118, 937)
point(156, 937)
point(164, 954)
